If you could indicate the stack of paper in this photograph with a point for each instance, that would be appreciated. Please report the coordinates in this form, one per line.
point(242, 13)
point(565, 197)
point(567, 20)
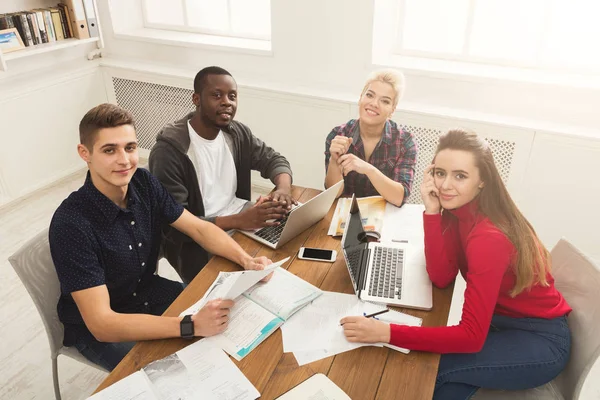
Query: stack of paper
point(199, 371)
point(315, 331)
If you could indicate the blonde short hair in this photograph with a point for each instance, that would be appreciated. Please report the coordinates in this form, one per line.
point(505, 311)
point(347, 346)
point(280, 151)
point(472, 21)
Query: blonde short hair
point(390, 76)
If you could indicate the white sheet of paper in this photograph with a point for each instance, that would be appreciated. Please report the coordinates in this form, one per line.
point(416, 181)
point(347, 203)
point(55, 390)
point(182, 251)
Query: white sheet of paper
point(317, 387)
point(134, 387)
point(283, 294)
point(247, 279)
point(229, 285)
point(170, 378)
point(249, 325)
point(404, 223)
point(304, 357)
point(214, 375)
point(317, 326)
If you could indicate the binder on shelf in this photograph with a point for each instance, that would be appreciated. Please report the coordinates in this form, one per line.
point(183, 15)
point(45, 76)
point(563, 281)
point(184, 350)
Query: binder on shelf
point(90, 14)
point(77, 17)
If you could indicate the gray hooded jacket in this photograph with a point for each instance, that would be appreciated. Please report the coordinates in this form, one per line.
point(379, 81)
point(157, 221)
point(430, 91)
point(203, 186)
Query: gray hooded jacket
point(171, 165)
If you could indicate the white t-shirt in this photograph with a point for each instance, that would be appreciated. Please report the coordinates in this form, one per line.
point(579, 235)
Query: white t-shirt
point(216, 173)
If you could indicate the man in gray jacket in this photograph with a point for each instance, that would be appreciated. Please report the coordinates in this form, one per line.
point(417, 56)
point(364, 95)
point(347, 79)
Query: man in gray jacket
point(204, 160)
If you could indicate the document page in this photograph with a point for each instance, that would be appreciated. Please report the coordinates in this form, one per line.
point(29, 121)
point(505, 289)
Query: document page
point(134, 387)
point(249, 325)
point(317, 387)
point(284, 294)
point(247, 279)
point(404, 224)
point(170, 378)
point(317, 326)
point(230, 285)
point(214, 375)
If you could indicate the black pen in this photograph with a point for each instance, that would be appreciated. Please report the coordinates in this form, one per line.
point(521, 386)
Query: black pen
point(373, 315)
point(377, 313)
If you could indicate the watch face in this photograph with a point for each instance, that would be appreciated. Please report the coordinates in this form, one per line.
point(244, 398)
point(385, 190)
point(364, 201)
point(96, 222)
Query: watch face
point(187, 329)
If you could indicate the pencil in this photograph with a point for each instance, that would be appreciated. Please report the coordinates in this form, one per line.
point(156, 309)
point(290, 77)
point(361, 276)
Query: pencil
point(377, 313)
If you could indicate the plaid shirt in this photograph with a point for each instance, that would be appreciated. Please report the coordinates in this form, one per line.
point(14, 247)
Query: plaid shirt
point(395, 155)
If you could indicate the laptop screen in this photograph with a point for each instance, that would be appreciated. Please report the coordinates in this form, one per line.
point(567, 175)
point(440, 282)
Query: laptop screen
point(353, 241)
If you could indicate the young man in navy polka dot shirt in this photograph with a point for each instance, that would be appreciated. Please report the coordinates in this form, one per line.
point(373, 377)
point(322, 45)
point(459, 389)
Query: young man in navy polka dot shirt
point(105, 238)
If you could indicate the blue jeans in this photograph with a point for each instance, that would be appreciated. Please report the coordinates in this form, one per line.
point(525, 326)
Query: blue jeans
point(519, 353)
point(109, 355)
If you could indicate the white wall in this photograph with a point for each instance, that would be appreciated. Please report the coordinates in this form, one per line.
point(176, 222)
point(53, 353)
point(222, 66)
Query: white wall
point(40, 135)
point(327, 46)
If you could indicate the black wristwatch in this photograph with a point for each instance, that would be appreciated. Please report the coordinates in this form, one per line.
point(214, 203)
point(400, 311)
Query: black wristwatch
point(186, 327)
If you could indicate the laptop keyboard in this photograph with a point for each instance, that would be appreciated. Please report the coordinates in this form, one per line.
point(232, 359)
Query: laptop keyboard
point(272, 233)
point(386, 273)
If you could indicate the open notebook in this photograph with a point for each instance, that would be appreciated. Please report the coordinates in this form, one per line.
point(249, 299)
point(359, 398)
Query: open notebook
point(260, 308)
point(318, 387)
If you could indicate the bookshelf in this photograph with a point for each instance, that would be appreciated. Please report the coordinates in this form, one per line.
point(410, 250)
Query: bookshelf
point(46, 47)
point(10, 6)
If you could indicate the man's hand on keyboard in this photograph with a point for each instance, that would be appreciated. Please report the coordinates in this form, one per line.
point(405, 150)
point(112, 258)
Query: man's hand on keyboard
point(257, 264)
point(265, 212)
point(284, 195)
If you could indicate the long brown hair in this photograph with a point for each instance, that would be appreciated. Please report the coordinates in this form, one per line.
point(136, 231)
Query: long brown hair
point(532, 260)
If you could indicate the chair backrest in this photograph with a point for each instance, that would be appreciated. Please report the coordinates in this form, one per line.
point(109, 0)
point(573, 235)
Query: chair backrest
point(578, 279)
point(33, 264)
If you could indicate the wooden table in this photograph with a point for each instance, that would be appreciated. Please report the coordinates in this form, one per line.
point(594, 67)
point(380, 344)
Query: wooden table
point(365, 373)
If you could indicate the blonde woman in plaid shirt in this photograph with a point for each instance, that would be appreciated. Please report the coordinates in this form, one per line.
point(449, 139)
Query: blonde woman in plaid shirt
point(372, 154)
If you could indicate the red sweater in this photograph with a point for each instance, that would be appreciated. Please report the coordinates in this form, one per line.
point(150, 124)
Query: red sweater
point(484, 255)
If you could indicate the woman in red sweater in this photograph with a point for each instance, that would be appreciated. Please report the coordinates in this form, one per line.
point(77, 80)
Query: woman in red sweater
point(513, 332)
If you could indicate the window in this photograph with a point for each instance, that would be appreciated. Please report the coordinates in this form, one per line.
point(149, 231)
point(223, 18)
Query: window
point(236, 18)
point(543, 34)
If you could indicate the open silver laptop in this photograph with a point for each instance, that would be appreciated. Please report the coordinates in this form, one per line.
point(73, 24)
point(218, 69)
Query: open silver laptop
point(299, 218)
point(384, 273)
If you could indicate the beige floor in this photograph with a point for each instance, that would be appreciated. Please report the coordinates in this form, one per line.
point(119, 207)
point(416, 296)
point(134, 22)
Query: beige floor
point(25, 369)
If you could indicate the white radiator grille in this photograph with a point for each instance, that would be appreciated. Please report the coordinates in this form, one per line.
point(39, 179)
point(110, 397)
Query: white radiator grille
point(427, 141)
point(152, 105)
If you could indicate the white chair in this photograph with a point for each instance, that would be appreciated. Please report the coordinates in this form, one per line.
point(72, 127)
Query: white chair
point(578, 279)
point(33, 264)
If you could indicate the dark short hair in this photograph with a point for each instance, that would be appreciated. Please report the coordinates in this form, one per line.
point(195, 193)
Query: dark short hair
point(200, 79)
point(102, 116)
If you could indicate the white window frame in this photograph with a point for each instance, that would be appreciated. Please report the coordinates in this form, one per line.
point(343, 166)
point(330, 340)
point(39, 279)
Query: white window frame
point(193, 29)
point(464, 57)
